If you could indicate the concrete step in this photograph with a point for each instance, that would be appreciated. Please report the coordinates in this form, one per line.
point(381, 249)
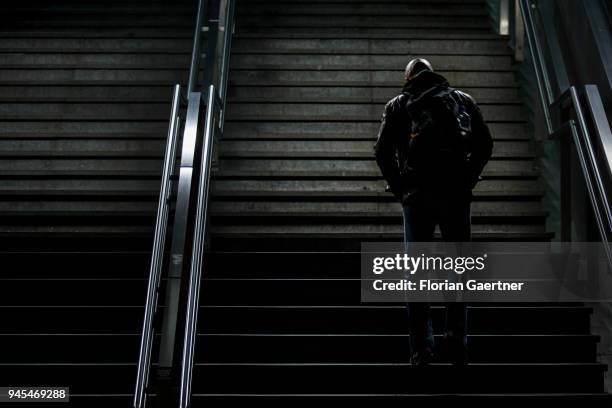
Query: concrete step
point(102, 32)
point(98, 60)
point(395, 378)
point(389, 319)
point(398, 31)
point(139, 237)
point(82, 209)
point(223, 291)
point(497, 319)
point(85, 129)
point(366, 33)
point(343, 209)
point(118, 8)
point(84, 185)
point(128, 175)
point(369, 9)
point(331, 264)
point(89, 111)
point(399, 400)
point(370, 46)
point(277, 148)
point(360, 78)
point(282, 291)
point(312, 348)
point(334, 111)
point(85, 94)
point(74, 292)
point(354, 61)
point(232, 379)
point(33, 193)
point(364, 231)
point(343, 187)
point(91, 77)
point(250, 59)
point(280, 130)
point(95, 20)
point(315, 21)
point(302, 171)
point(146, 190)
point(117, 320)
point(65, 166)
point(363, 154)
point(295, 94)
point(120, 45)
point(86, 147)
point(72, 348)
point(236, 111)
point(97, 264)
point(158, 77)
point(285, 130)
point(118, 379)
point(322, 167)
point(355, 94)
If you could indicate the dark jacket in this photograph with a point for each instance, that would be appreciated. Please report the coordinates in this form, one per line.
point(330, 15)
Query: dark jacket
point(395, 132)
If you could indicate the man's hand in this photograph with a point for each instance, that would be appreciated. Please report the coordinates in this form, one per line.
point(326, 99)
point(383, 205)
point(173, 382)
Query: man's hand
point(409, 197)
point(396, 193)
point(472, 183)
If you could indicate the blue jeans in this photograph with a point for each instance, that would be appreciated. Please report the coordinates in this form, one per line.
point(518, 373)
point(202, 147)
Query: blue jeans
point(420, 220)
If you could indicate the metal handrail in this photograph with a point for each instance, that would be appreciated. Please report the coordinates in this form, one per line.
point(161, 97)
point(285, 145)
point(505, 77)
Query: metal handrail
point(194, 66)
point(159, 241)
point(228, 28)
point(604, 140)
point(198, 250)
point(582, 137)
point(590, 170)
point(215, 109)
point(539, 63)
point(161, 223)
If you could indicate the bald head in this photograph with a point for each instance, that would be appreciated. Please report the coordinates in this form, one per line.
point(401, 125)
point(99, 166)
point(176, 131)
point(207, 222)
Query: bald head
point(416, 66)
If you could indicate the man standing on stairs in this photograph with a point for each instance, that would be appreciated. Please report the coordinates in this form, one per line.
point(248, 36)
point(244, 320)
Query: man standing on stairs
point(432, 146)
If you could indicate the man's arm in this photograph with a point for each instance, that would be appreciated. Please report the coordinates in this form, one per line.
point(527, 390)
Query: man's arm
point(482, 145)
point(385, 149)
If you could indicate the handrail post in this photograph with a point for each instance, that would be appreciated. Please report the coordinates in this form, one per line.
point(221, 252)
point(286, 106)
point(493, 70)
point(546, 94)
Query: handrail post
point(518, 33)
point(504, 17)
point(159, 240)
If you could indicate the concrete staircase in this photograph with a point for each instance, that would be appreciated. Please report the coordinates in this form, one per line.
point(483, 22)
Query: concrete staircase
point(85, 90)
point(84, 96)
point(309, 81)
point(298, 190)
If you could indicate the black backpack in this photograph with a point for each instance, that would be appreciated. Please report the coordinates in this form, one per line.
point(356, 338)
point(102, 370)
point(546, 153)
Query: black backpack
point(439, 139)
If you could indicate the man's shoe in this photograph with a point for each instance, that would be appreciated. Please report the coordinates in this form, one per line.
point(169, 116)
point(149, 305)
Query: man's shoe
point(421, 358)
